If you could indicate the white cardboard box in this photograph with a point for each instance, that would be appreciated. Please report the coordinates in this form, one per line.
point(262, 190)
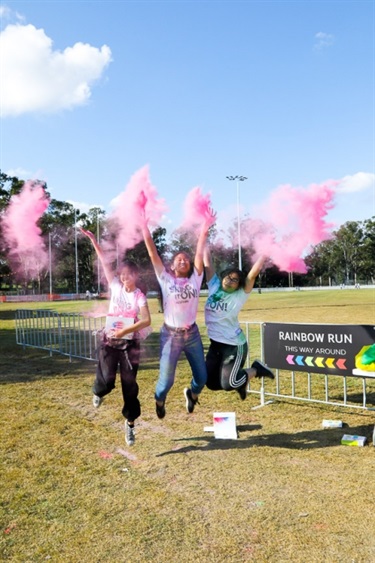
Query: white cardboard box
point(225, 425)
point(332, 423)
point(353, 440)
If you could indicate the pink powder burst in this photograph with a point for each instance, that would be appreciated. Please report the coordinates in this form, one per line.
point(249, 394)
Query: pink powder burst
point(197, 209)
point(293, 219)
point(22, 234)
point(139, 203)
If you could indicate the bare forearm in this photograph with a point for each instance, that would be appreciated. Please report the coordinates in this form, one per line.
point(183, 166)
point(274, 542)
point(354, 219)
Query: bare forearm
point(152, 250)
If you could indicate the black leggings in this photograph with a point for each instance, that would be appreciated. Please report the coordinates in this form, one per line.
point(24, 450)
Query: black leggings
point(224, 364)
point(108, 360)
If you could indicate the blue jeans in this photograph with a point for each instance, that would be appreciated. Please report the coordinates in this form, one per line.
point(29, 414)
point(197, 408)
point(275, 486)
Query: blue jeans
point(172, 344)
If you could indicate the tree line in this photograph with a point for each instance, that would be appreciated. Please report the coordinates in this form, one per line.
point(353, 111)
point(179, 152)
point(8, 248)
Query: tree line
point(348, 257)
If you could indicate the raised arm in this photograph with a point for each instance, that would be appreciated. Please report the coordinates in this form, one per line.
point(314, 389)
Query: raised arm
point(207, 261)
point(108, 272)
point(202, 239)
point(254, 272)
point(152, 250)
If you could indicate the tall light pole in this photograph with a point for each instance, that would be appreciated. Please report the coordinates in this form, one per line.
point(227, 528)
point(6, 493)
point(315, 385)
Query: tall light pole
point(76, 247)
point(98, 239)
point(50, 264)
point(238, 179)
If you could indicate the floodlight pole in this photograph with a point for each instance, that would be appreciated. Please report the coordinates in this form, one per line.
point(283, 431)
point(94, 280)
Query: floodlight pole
point(98, 238)
point(76, 247)
point(50, 263)
point(238, 179)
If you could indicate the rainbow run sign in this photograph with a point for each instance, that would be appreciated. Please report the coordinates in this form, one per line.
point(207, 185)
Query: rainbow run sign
point(315, 348)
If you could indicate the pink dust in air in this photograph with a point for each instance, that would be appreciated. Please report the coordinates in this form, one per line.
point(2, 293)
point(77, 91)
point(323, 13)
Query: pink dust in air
point(27, 252)
point(196, 209)
point(138, 203)
point(289, 223)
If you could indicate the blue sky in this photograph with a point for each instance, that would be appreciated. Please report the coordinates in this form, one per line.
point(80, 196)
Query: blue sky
point(281, 92)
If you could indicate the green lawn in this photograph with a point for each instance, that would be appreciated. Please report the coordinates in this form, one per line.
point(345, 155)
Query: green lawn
point(286, 490)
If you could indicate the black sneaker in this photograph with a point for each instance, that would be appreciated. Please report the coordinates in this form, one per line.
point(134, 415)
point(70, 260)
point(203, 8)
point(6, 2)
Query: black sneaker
point(242, 391)
point(160, 410)
point(190, 402)
point(262, 370)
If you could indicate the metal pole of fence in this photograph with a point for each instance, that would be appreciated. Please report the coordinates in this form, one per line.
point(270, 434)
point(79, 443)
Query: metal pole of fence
point(309, 385)
point(364, 392)
point(326, 387)
point(345, 390)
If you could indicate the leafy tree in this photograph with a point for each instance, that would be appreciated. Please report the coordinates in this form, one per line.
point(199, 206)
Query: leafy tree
point(368, 251)
point(348, 248)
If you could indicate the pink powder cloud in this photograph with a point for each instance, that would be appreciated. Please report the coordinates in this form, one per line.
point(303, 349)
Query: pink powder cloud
point(22, 234)
point(289, 223)
point(197, 209)
point(138, 202)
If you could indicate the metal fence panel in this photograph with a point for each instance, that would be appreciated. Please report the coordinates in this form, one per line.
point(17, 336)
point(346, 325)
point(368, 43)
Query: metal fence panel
point(74, 335)
point(70, 334)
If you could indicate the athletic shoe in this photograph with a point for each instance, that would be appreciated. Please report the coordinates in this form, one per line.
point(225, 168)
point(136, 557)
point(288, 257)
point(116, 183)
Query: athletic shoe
point(129, 434)
point(262, 370)
point(190, 402)
point(242, 391)
point(160, 410)
point(97, 401)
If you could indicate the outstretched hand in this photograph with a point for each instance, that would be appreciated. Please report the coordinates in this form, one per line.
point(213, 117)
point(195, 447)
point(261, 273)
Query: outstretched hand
point(89, 234)
point(209, 217)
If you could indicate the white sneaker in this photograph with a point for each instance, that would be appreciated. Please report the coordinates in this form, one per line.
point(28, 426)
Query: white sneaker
point(97, 401)
point(129, 434)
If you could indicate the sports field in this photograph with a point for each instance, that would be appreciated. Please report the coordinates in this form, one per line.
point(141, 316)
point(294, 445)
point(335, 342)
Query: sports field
point(285, 491)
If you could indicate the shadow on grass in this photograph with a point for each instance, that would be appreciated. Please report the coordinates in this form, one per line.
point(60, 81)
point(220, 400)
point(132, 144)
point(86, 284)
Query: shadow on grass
point(306, 440)
point(27, 364)
point(357, 398)
point(21, 366)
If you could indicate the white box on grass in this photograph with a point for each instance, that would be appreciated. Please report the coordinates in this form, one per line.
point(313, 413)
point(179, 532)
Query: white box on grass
point(332, 423)
point(225, 425)
point(353, 440)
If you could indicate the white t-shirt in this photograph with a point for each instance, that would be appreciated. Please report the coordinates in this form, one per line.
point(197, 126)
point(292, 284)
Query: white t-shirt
point(180, 298)
point(221, 313)
point(124, 303)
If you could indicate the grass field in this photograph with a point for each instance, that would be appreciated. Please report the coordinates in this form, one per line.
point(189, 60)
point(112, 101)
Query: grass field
point(285, 491)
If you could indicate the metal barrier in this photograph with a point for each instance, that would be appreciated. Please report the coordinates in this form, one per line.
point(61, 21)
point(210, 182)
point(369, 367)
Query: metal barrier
point(328, 389)
point(70, 334)
point(74, 335)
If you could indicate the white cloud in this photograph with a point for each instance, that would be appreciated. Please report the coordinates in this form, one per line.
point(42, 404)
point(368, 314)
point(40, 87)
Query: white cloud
point(35, 78)
point(357, 183)
point(82, 206)
point(20, 173)
point(323, 40)
point(7, 14)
